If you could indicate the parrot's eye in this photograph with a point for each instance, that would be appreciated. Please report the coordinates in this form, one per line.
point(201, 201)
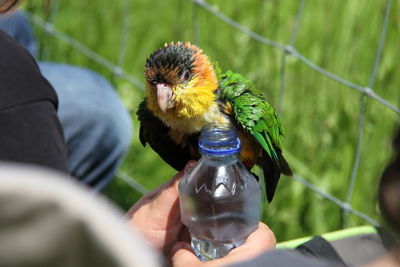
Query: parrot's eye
point(185, 76)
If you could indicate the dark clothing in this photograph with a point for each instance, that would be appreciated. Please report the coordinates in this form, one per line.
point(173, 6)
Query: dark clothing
point(321, 249)
point(285, 258)
point(30, 131)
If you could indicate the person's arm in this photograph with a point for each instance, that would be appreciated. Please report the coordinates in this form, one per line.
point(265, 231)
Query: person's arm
point(31, 133)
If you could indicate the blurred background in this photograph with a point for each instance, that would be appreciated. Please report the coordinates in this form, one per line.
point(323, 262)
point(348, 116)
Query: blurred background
point(337, 137)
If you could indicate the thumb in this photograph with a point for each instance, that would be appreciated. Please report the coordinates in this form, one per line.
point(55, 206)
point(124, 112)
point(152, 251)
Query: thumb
point(182, 255)
point(168, 192)
point(170, 189)
point(165, 196)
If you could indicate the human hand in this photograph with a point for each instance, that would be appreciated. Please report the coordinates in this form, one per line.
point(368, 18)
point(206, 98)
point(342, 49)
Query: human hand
point(157, 216)
point(259, 241)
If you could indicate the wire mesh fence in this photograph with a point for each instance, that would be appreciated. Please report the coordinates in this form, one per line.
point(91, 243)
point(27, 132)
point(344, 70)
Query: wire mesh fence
point(366, 90)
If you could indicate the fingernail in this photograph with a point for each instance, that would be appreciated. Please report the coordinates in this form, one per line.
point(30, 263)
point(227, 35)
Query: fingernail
point(189, 165)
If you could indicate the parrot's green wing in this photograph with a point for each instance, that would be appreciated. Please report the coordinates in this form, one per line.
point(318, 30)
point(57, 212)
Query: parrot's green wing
point(154, 132)
point(257, 117)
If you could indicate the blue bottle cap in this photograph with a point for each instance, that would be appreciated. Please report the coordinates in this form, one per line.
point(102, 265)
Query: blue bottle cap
point(219, 140)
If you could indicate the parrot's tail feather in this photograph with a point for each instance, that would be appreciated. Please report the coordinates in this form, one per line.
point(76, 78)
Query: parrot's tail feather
point(272, 173)
point(285, 168)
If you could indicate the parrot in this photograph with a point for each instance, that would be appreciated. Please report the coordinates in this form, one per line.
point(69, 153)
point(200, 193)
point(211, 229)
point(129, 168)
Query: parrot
point(186, 91)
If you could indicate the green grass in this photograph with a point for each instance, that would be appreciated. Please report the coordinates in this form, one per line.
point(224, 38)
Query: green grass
point(320, 116)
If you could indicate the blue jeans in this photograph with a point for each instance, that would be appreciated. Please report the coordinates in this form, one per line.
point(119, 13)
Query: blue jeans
point(97, 127)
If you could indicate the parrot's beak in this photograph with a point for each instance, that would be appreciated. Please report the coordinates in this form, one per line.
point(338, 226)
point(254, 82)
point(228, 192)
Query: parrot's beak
point(164, 97)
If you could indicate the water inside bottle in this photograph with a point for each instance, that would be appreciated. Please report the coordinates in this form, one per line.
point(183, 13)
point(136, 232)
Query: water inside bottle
point(219, 198)
point(221, 208)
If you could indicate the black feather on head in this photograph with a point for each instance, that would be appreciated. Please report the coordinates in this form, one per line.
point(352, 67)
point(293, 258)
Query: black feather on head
point(172, 57)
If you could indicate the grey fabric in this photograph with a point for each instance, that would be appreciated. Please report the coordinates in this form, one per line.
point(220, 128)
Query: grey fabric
point(359, 249)
point(48, 220)
point(37, 232)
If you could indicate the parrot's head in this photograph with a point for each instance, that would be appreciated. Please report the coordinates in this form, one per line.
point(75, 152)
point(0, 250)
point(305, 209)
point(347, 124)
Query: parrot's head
point(180, 81)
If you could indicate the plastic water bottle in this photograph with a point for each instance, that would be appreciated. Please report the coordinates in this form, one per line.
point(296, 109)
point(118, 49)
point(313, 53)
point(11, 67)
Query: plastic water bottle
point(219, 198)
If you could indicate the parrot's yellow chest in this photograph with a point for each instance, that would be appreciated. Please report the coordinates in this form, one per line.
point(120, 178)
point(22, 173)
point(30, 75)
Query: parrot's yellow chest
point(193, 125)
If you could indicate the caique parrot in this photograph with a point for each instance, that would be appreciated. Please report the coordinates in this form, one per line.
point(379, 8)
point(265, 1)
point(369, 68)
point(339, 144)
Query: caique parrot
point(185, 91)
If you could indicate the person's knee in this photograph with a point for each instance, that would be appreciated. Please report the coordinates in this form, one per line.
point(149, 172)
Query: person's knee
point(112, 126)
point(89, 101)
point(97, 126)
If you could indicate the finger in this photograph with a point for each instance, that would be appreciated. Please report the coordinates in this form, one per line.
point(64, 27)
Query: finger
point(164, 197)
point(257, 242)
point(184, 235)
point(189, 165)
point(182, 255)
point(262, 236)
point(163, 201)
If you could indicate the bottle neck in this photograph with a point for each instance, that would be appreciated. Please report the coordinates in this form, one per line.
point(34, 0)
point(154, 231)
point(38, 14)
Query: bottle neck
point(219, 159)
